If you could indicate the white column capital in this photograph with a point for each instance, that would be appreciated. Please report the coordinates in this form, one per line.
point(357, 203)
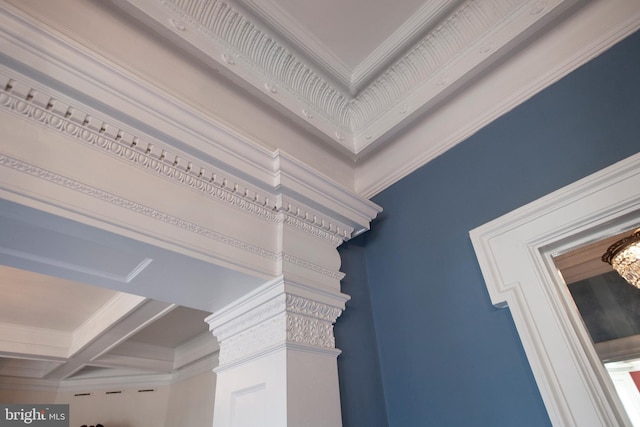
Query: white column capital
point(279, 314)
point(278, 362)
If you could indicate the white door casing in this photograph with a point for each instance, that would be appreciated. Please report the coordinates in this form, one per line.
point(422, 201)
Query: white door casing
point(515, 254)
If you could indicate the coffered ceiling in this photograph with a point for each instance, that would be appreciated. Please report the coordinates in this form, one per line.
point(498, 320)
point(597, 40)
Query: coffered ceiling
point(71, 314)
point(61, 334)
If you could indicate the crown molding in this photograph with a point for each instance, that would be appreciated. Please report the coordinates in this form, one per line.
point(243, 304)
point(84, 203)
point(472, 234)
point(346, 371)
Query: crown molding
point(351, 80)
point(281, 22)
point(130, 379)
point(29, 100)
point(115, 361)
point(26, 368)
point(427, 16)
point(448, 55)
point(28, 341)
point(197, 348)
point(177, 142)
point(598, 26)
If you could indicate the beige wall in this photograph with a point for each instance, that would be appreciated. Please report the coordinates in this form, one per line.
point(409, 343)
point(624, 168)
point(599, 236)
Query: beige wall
point(191, 402)
point(32, 397)
point(127, 409)
point(185, 403)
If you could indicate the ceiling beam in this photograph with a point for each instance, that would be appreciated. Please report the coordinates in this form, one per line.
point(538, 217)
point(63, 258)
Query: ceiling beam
point(118, 333)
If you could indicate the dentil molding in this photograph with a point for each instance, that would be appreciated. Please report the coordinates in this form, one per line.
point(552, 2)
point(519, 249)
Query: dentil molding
point(272, 182)
point(28, 100)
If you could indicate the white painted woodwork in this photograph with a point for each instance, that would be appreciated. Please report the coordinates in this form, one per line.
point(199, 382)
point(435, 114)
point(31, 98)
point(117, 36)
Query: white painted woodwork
point(260, 187)
point(69, 157)
point(515, 253)
point(584, 32)
point(571, 42)
point(452, 49)
point(278, 358)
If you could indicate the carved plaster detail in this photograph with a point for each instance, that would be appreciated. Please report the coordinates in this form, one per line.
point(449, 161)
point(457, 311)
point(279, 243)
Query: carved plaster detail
point(227, 26)
point(449, 40)
point(72, 184)
point(310, 266)
point(251, 318)
point(111, 139)
point(305, 330)
point(310, 225)
point(72, 121)
point(286, 318)
point(262, 336)
point(307, 307)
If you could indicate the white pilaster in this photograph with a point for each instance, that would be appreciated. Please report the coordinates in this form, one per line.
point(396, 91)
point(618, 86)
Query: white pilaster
point(278, 357)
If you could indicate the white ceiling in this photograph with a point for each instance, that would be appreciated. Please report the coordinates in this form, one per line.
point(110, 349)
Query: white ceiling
point(68, 315)
point(61, 333)
point(44, 302)
point(364, 91)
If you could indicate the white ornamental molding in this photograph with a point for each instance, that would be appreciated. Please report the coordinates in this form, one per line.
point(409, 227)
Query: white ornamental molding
point(308, 331)
point(249, 319)
point(112, 138)
point(312, 225)
point(72, 184)
point(292, 259)
point(310, 308)
point(465, 37)
point(283, 320)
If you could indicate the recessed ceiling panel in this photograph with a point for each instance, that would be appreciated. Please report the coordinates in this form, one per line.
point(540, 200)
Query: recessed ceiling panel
point(46, 302)
point(173, 329)
point(41, 245)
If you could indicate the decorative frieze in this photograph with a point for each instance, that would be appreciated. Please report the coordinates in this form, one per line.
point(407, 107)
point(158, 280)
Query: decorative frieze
point(292, 259)
point(309, 331)
point(143, 151)
point(307, 307)
point(130, 205)
point(114, 199)
point(264, 324)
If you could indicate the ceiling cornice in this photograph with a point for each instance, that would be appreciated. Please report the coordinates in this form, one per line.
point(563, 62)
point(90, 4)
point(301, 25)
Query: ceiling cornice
point(461, 44)
point(233, 170)
point(194, 146)
point(126, 379)
point(576, 40)
point(352, 80)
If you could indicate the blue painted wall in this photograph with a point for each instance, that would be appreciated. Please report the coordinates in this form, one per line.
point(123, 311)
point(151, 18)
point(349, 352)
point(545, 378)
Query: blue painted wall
point(447, 357)
point(361, 389)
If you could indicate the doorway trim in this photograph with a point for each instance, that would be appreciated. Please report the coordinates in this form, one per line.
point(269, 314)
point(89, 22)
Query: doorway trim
point(516, 252)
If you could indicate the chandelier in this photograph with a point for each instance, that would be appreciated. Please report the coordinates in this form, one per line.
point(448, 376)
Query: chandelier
point(624, 257)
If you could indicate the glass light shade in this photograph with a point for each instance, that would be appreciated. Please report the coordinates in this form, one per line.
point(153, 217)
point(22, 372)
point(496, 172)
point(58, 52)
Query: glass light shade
point(624, 257)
